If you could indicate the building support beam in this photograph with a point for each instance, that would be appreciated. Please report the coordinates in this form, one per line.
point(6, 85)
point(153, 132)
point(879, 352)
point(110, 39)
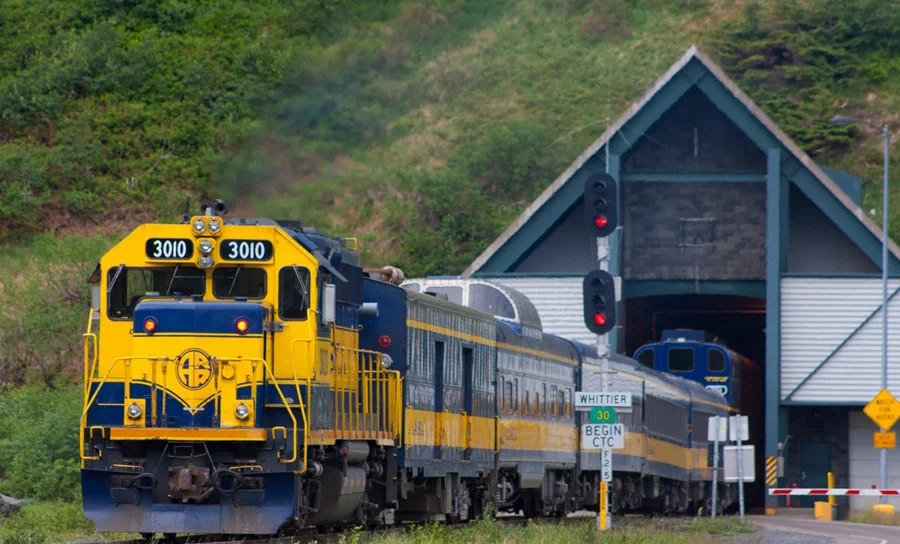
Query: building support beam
point(776, 251)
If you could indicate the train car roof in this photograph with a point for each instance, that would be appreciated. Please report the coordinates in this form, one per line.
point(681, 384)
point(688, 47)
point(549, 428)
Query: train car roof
point(526, 319)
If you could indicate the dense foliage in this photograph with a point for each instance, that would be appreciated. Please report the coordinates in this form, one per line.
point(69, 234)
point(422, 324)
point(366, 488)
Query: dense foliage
point(804, 62)
point(39, 442)
point(117, 105)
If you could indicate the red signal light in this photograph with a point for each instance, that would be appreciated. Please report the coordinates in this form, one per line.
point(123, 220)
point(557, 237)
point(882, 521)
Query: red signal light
point(242, 325)
point(150, 325)
point(600, 318)
point(601, 221)
point(384, 341)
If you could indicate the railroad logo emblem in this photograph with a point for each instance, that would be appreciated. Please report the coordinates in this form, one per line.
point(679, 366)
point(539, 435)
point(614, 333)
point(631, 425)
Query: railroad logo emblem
point(194, 369)
point(720, 389)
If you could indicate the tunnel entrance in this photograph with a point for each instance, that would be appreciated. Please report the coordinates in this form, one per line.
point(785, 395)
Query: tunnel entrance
point(739, 322)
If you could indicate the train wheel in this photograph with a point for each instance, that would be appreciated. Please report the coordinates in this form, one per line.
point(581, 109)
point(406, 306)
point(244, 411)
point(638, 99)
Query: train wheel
point(147, 536)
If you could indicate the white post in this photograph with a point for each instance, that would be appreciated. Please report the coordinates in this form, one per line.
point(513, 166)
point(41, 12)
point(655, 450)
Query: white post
point(740, 463)
point(715, 467)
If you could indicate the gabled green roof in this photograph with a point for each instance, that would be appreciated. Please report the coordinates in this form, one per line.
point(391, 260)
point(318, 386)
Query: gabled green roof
point(693, 70)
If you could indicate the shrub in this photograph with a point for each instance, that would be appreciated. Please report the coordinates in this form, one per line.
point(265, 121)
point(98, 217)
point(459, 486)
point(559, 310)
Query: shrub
point(39, 442)
point(44, 301)
point(45, 522)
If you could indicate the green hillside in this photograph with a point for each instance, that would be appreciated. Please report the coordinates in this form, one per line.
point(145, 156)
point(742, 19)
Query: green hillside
point(421, 127)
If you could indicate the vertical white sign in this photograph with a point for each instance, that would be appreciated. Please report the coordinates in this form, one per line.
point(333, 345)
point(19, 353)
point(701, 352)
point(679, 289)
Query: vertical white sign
point(607, 465)
point(736, 424)
point(717, 432)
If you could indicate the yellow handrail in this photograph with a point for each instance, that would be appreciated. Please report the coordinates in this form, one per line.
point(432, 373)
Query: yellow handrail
point(89, 367)
point(302, 407)
point(280, 394)
point(89, 400)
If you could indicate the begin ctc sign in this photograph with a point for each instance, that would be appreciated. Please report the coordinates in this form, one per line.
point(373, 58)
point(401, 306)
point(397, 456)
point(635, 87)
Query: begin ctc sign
point(602, 437)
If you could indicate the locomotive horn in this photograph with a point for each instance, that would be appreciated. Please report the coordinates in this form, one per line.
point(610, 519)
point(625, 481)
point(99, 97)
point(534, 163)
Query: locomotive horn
point(216, 207)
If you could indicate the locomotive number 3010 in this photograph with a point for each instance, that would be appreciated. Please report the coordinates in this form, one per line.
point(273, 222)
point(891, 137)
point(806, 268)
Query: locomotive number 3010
point(246, 250)
point(169, 248)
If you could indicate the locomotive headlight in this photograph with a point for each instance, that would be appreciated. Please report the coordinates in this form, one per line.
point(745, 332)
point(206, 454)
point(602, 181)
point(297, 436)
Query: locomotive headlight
point(134, 411)
point(214, 226)
point(386, 361)
point(205, 246)
point(199, 226)
point(205, 262)
point(241, 411)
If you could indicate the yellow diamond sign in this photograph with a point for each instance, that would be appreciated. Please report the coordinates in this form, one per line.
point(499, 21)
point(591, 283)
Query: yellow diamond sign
point(884, 410)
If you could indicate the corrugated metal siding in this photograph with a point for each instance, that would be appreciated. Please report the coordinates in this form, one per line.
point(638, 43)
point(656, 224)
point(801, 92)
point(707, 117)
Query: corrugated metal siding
point(865, 468)
point(817, 315)
point(558, 301)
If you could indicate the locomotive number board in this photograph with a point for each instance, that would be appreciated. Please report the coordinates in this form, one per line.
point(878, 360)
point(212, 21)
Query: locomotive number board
point(169, 249)
point(246, 250)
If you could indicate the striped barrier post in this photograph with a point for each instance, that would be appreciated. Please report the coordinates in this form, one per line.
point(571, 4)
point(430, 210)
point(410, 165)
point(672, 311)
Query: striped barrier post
point(836, 492)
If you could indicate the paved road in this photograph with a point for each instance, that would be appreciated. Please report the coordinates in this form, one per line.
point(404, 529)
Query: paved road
point(836, 532)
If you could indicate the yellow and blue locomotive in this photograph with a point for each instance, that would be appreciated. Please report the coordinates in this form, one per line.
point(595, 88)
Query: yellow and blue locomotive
point(245, 376)
point(227, 391)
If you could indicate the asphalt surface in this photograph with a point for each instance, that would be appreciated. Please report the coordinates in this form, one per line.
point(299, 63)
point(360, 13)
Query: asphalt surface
point(793, 530)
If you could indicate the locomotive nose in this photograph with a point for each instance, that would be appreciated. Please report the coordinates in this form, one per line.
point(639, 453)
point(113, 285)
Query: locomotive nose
point(194, 351)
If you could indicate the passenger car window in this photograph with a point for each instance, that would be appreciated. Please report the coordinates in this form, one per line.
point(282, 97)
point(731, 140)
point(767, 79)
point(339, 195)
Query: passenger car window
point(715, 360)
point(485, 298)
point(239, 281)
point(128, 285)
point(293, 292)
point(454, 294)
point(681, 359)
point(647, 358)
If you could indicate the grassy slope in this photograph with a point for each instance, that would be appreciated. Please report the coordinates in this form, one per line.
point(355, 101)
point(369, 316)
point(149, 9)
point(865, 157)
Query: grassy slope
point(421, 127)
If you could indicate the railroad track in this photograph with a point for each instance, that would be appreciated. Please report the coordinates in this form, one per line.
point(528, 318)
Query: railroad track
point(311, 535)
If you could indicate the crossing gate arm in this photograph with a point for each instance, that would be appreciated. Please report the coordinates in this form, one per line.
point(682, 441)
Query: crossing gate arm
point(837, 492)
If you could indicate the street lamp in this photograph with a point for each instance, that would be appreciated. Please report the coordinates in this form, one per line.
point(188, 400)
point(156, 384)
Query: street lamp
point(844, 120)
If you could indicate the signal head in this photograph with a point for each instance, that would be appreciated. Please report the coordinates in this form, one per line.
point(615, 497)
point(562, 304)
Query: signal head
point(600, 204)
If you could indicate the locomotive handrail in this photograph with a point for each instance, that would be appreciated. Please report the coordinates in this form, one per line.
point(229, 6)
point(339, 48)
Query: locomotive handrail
point(367, 397)
point(302, 407)
point(283, 400)
point(89, 368)
point(89, 401)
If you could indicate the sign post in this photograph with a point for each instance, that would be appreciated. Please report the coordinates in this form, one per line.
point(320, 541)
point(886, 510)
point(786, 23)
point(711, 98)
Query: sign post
point(717, 428)
point(602, 433)
point(740, 431)
point(601, 519)
point(884, 410)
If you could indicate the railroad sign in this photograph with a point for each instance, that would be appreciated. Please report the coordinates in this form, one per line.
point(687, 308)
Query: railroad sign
point(603, 414)
point(748, 456)
point(736, 424)
point(884, 410)
point(585, 400)
point(602, 437)
point(717, 432)
point(885, 441)
point(606, 465)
